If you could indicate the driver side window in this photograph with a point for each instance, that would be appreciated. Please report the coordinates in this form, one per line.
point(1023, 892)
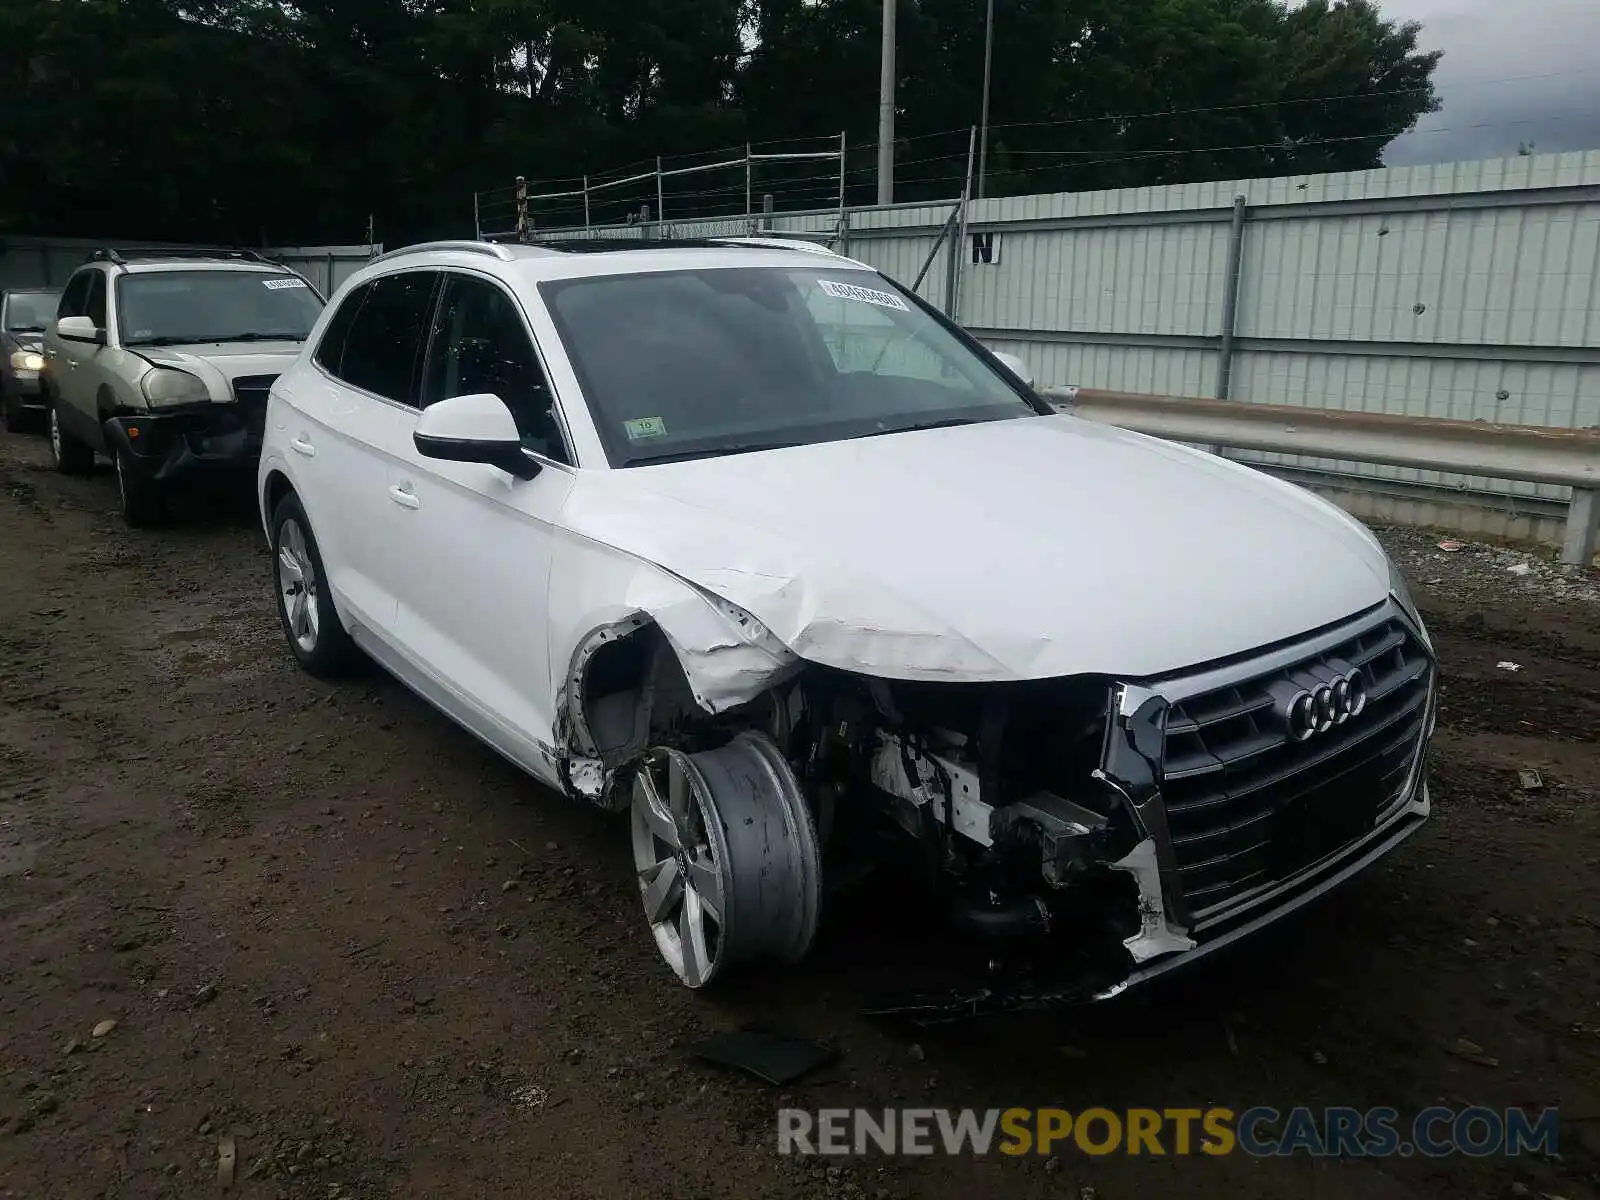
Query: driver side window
point(479, 344)
point(75, 298)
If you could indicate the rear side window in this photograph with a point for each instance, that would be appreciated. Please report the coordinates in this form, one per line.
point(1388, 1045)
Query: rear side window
point(384, 341)
point(75, 299)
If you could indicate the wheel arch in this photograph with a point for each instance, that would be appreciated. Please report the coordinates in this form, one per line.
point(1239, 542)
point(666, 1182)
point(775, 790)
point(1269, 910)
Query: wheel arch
point(275, 485)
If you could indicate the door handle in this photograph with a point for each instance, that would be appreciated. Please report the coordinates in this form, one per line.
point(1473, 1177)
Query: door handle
point(402, 495)
point(301, 445)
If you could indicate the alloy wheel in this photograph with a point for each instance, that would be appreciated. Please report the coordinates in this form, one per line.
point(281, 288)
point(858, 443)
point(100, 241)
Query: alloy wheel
point(726, 855)
point(297, 586)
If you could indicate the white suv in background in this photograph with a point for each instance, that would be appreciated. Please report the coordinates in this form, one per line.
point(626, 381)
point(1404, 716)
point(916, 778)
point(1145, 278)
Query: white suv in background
point(749, 541)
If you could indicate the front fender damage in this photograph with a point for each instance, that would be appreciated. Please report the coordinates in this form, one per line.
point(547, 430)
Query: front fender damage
point(695, 652)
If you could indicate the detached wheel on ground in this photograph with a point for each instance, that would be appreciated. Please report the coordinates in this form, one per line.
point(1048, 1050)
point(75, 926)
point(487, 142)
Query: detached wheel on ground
point(305, 607)
point(144, 502)
point(71, 456)
point(727, 858)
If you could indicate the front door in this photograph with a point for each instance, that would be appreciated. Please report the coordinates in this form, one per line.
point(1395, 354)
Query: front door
point(73, 365)
point(476, 563)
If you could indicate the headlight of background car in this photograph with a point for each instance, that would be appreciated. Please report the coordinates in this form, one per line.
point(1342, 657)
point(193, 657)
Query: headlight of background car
point(1402, 593)
point(27, 360)
point(166, 388)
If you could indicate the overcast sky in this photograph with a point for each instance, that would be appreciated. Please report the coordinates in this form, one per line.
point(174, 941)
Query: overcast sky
point(1487, 40)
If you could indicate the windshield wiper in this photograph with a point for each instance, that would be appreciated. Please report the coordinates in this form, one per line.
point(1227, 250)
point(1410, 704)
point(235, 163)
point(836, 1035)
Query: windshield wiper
point(26, 329)
point(945, 423)
point(210, 338)
point(641, 460)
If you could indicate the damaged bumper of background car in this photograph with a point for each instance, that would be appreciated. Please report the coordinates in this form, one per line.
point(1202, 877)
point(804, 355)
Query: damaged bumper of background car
point(206, 437)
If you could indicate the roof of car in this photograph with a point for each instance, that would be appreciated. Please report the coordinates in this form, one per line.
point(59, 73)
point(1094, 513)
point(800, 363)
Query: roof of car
point(141, 265)
point(615, 256)
point(184, 258)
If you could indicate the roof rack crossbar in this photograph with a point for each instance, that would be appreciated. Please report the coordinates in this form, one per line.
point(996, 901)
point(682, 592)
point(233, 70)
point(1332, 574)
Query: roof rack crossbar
point(492, 249)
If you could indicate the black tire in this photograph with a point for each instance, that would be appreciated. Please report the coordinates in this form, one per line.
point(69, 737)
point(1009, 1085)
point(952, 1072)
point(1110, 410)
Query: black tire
point(316, 637)
point(144, 501)
point(71, 456)
point(11, 414)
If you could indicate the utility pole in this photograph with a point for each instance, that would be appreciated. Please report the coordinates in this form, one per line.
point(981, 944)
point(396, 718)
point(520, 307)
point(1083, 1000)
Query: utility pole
point(886, 109)
point(983, 119)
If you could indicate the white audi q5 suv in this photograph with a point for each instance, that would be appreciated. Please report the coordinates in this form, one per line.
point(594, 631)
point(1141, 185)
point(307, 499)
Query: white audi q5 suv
point(748, 541)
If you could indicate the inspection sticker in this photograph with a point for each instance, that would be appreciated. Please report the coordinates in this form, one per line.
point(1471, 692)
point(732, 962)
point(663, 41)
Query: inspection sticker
point(849, 291)
point(644, 427)
point(278, 285)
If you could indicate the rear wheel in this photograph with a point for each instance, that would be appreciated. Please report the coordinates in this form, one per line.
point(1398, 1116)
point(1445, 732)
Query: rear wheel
point(71, 456)
point(305, 606)
point(144, 501)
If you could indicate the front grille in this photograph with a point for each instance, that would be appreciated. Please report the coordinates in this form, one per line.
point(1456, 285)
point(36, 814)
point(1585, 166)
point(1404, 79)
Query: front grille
point(1247, 806)
point(250, 392)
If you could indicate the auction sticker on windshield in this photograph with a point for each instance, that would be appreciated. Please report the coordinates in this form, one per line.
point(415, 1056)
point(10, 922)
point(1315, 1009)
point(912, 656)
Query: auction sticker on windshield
point(849, 291)
point(279, 284)
point(644, 427)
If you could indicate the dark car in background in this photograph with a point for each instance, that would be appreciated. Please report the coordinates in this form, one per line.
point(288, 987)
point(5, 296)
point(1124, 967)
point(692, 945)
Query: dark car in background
point(25, 314)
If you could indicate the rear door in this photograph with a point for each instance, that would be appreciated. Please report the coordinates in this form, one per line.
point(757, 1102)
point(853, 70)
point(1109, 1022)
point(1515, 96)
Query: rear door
point(348, 423)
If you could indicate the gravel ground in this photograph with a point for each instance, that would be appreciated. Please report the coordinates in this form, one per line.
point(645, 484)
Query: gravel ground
point(332, 927)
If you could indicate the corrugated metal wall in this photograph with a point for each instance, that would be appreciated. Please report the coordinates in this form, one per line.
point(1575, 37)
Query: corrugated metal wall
point(1467, 290)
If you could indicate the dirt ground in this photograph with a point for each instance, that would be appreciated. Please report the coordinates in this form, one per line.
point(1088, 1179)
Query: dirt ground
point(329, 923)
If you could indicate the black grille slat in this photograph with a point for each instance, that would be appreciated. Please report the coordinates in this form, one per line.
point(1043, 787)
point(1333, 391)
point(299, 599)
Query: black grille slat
point(1333, 745)
point(250, 393)
point(1248, 807)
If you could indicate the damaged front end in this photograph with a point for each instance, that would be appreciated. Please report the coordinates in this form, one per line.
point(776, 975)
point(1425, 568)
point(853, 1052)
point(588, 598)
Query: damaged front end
point(1078, 835)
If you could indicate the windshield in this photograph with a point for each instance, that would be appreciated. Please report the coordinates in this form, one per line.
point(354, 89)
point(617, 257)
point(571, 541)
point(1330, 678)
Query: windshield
point(30, 312)
point(682, 364)
point(173, 307)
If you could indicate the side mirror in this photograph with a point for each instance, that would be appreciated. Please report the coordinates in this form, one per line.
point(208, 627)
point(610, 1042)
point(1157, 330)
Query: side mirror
point(80, 329)
point(1016, 366)
point(477, 428)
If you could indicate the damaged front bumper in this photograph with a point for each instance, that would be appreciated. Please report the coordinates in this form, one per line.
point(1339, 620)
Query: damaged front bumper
point(1224, 825)
point(166, 446)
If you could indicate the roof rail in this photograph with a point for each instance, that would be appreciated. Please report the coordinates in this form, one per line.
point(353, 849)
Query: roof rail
point(778, 243)
point(492, 249)
point(112, 255)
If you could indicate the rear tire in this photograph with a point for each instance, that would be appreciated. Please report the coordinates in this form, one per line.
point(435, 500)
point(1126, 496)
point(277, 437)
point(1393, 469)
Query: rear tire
point(144, 501)
point(71, 456)
point(311, 625)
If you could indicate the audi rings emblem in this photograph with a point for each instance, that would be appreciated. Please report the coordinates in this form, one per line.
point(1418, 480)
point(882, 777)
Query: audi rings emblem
point(1310, 705)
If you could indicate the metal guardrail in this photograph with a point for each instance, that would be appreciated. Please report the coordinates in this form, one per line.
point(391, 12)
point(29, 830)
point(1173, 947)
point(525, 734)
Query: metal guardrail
point(1531, 453)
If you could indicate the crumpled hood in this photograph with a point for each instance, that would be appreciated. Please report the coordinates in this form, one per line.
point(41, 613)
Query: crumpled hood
point(220, 363)
point(1019, 549)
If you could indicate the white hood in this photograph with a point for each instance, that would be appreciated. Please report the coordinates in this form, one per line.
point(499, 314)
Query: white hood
point(220, 363)
point(1019, 549)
